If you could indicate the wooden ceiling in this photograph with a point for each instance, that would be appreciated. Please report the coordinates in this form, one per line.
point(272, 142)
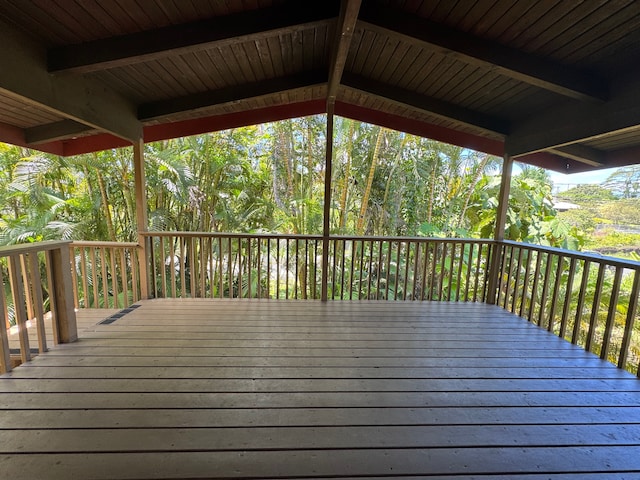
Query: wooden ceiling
point(552, 82)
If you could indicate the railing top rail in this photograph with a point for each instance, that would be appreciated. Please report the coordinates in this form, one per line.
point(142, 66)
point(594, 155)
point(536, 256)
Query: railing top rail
point(315, 237)
point(33, 247)
point(592, 257)
point(230, 235)
point(91, 243)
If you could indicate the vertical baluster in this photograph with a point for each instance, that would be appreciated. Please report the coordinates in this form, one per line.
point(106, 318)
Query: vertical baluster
point(476, 280)
point(24, 271)
point(407, 256)
point(502, 249)
point(183, 268)
point(5, 352)
point(162, 264)
point(220, 269)
point(268, 267)
point(516, 277)
point(52, 298)
point(105, 277)
point(525, 283)
point(509, 269)
point(595, 308)
point(628, 324)
point(334, 244)
point(123, 277)
point(583, 290)
point(277, 268)
point(485, 279)
point(342, 268)
point(193, 267)
point(74, 277)
point(545, 289)
point(295, 276)
point(556, 290)
point(286, 271)
point(211, 273)
point(469, 265)
point(249, 267)
point(230, 266)
point(354, 255)
point(203, 266)
point(567, 298)
point(388, 269)
point(37, 299)
point(133, 255)
point(398, 268)
point(18, 291)
point(425, 269)
point(416, 270)
point(534, 288)
point(240, 266)
point(83, 274)
point(315, 268)
point(114, 278)
point(305, 288)
point(94, 278)
point(611, 314)
point(460, 264)
point(433, 289)
point(259, 267)
point(171, 256)
point(443, 265)
point(370, 275)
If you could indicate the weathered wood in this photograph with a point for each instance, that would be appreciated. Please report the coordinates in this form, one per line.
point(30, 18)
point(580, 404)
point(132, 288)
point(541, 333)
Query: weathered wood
point(65, 315)
point(5, 356)
point(244, 384)
point(18, 289)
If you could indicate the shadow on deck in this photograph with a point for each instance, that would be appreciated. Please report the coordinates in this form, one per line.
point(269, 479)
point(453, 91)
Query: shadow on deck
point(302, 389)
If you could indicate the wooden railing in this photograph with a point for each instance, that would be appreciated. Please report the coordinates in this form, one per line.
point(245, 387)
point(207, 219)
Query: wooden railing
point(105, 274)
point(587, 299)
point(215, 265)
point(36, 286)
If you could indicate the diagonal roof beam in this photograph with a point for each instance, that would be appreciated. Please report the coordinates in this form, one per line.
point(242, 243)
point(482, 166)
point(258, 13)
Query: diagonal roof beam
point(571, 123)
point(581, 153)
point(199, 35)
point(54, 131)
point(221, 96)
point(547, 74)
point(430, 105)
point(344, 33)
point(83, 100)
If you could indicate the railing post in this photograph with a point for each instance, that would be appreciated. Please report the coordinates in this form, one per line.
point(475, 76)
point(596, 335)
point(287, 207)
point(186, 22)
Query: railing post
point(141, 215)
point(501, 218)
point(327, 202)
point(5, 354)
point(66, 330)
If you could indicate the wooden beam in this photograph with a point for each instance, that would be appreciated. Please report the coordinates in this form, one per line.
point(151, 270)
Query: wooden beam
point(16, 136)
point(424, 129)
point(326, 231)
point(54, 131)
point(581, 153)
point(25, 77)
point(344, 33)
point(499, 230)
point(199, 35)
point(233, 94)
point(142, 222)
point(429, 105)
point(570, 123)
point(534, 70)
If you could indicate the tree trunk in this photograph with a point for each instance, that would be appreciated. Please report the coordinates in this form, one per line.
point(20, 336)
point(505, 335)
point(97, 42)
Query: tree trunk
point(367, 190)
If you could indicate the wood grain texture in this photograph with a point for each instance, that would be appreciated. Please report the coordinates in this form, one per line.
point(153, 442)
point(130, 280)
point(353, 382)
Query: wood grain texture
point(198, 388)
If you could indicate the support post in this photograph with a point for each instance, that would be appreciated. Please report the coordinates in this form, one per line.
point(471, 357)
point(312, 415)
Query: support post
point(327, 202)
point(141, 217)
point(498, 236)
point(66, 330)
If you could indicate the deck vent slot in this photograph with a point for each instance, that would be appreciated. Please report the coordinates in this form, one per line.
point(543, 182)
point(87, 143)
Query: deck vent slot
point(118, 315)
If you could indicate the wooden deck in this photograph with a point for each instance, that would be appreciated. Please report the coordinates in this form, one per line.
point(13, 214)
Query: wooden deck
point(295, 389)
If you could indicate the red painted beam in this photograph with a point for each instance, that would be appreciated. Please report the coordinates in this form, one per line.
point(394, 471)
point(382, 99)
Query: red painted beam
point(153, 133)
point(15, 136)
point(423, 129)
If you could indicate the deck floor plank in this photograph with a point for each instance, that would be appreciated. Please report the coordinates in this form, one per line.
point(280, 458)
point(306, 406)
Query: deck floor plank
point(300, 389)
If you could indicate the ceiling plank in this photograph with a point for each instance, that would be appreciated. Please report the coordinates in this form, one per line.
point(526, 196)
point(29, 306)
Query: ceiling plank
point(179, 39)
point(581, 153)
point(543, 73)
point(54, 131)
point(571, 123)
point(83, 100)
point(233, 94)
point(344, 33)
point(431, 105)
